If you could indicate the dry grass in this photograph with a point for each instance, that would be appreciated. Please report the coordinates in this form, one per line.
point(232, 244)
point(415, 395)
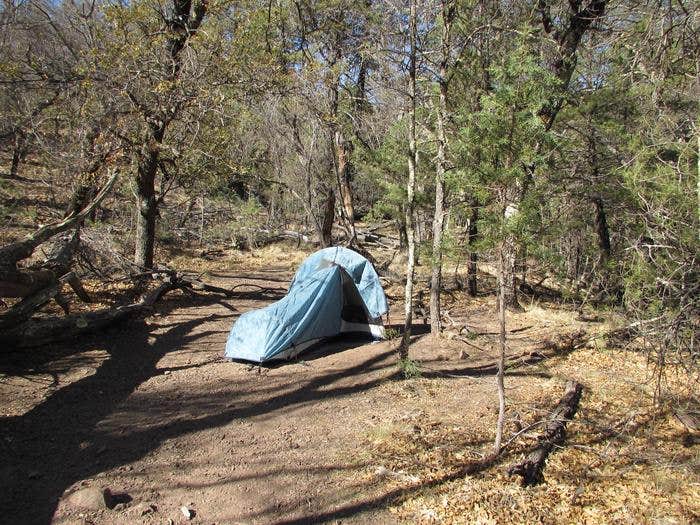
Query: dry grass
point(280, 256)
point(625, 459)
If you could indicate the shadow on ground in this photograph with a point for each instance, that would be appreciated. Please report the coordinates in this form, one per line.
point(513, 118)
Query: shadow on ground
point(82, 429)
point(60, 441)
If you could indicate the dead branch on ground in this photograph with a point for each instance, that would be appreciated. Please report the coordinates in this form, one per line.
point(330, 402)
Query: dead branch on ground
point(532, 466)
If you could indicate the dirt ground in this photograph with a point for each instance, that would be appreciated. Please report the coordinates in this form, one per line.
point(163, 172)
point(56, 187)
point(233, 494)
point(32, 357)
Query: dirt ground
point(151, 411)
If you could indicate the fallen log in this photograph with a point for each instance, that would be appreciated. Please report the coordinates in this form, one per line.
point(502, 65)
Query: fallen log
point(38, 332)
point(44, 284)
point(24, 309)
point(34, 333)
point(532, 466)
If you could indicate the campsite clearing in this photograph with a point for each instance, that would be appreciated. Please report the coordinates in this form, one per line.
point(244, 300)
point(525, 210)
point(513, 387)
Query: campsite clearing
point(155, 414)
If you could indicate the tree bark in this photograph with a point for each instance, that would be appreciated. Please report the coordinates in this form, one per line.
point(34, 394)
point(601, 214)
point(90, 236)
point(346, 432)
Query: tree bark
point(343, 151)
point(146, 202)
point(410, 189)
point(17, 155)
point(601, 223)
point(401, 229)
point(500, 383)
point(326, 233)
point(531, 467)
point(472, 235)
point(509, 296)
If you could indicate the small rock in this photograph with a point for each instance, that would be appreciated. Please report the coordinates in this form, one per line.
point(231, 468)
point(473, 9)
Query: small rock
point(381, 472)
point(91, 498)
point(142, 509)
point(186, 512)
point(167, 372)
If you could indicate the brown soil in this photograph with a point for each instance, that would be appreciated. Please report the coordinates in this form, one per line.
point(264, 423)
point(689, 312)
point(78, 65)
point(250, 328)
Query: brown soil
point(151, 411)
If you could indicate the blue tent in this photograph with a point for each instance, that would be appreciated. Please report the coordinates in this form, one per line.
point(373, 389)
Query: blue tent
point(335, 291)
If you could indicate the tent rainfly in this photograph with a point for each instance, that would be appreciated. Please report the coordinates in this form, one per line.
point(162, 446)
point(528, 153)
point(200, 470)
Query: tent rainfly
point(335, 291)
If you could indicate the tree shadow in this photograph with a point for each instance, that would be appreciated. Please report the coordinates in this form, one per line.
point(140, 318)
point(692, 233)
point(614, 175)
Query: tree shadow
point(64, 439)
point(365, 505)
point(26, 202)
point(95, 424)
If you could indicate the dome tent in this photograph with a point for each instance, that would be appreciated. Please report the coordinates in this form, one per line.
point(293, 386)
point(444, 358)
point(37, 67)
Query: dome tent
point(334, 291)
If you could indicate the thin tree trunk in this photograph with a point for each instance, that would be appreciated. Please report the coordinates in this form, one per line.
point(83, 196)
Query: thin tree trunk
point(573, 257)
point(510, 290)
point(440, 168)
point(410, 189)
point(190, 206)
point(401, 228)
point(342, 150)
point(472, 233)
point(201, 219)
point(601, 223)
point(502, 351)
point(17, 156)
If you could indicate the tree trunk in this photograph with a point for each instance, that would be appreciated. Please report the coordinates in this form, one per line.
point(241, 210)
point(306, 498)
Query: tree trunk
point(601, 223)
point(190, 206)
point(510, 290)
point(472, 233)
point(17, 155)
point(343, 151)
point(410, 190)
point(185, 19)
point(502, 349)
point(146, 205)
point(326, 233)
point(440, 168)
point(573, 257)
point(401, 228)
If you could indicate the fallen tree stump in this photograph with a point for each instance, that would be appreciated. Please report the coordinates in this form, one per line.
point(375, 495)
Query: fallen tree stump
point(532, 466)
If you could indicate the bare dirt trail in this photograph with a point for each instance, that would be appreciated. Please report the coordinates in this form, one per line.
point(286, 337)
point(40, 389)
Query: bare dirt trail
point(151, 410)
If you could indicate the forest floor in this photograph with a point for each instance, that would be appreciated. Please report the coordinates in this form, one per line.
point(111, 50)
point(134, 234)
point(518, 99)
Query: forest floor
point(151, 411)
